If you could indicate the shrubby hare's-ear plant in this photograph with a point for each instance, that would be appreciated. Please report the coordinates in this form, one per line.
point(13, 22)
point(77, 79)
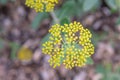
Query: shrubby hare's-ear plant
point(68, 44)
point(41, 5)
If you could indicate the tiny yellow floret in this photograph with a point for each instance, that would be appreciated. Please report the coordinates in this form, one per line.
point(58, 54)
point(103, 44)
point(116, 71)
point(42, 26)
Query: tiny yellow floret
point(42, 5)
point(69, 45)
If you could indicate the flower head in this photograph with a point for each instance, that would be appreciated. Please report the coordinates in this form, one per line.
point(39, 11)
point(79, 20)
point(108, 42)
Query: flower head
point(25, 54)
point(69, 44)
point(41, 5)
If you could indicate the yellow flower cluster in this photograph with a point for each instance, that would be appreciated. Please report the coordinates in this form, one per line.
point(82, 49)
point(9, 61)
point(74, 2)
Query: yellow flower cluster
point(69, 45)
point(41, 5)
point(25, 54)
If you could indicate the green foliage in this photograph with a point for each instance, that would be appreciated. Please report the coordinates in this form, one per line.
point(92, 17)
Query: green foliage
point(118, 4)
point(5, 1)
point(89, 4)
point(67, 10)
point(89, 61)
point(111, 4)
point(106, 71)
point(64, 21)
point(14, 48)
point(100, 68)
point(75, 8)
point(38, 19)
point(45, 38)
point(118, 21)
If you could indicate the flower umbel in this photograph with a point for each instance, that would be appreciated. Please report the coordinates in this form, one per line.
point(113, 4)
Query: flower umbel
point(25, 54)
point(69, 44)
point(41, 5)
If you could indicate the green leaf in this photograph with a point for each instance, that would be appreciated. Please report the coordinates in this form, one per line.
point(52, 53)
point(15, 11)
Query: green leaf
point(117, 3)
point(111, 4)
point(3, 1)
point(113, 76)
point(68, 9)
point(14, 46)
point(80, 1)
point(46, 38)
point(89, 4)
point(107, 72)
point(64, 21)
point(108, 67)
point(89, 60)
point(118, 21)
point(37, 20)
point(100, 69)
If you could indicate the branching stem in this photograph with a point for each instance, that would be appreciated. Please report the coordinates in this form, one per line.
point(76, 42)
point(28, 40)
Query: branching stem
point(54, 17)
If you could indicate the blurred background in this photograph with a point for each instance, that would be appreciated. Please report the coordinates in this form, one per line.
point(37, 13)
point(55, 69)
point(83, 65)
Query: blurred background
point(22, 31)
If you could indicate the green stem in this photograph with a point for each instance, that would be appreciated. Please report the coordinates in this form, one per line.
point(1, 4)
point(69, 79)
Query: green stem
point(54, 17)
